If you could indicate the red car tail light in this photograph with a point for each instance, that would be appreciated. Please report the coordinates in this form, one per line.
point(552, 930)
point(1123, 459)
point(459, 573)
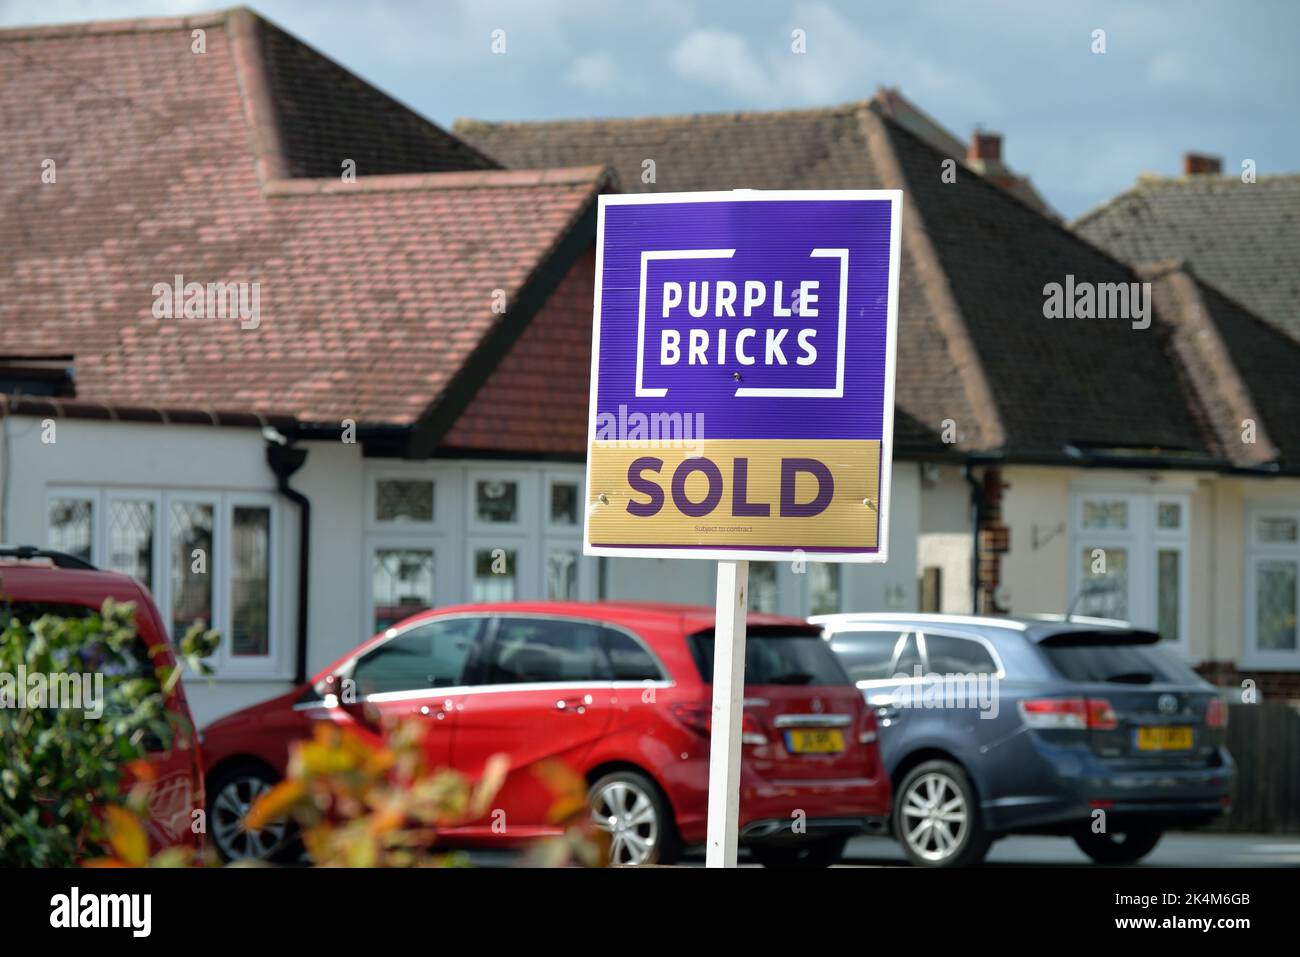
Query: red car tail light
point(1101, 716)
point(870, 730)
point(699, 718)
point(1079, 714)
point(1216, 713)
point(1055, 713)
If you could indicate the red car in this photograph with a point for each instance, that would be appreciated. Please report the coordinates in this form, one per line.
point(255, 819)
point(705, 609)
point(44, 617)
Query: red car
point(36, 582)
point(621, 693)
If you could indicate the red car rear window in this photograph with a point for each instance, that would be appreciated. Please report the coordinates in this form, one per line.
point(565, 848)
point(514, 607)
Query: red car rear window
point(776, 656)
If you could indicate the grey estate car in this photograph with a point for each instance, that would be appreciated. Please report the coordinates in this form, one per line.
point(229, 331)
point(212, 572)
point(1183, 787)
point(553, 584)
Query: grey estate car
point(996, 725)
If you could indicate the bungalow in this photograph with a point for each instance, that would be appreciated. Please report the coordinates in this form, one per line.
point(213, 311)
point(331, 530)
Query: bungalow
point(391, 434)
point(404, 425)
point(1144, 466)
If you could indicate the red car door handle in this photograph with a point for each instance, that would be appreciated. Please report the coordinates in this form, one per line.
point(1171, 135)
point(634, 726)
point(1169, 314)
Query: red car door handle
point(573, 705)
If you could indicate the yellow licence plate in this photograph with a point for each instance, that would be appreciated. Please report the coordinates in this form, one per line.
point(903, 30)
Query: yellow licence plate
point(814, 741)
point(1164, 739)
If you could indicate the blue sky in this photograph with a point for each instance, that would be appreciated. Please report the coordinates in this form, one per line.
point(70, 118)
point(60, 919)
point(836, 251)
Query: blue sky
point(1218, 77)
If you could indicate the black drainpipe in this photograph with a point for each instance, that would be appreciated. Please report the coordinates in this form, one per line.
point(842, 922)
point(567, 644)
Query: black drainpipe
point(977, 513)
point(284, 460)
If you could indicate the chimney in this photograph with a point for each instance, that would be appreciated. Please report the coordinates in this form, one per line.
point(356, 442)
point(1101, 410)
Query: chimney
point(985, 146)
point(1201, 164)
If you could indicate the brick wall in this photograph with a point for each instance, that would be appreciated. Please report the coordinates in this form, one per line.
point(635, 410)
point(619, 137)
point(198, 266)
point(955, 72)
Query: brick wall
point(1270, 685)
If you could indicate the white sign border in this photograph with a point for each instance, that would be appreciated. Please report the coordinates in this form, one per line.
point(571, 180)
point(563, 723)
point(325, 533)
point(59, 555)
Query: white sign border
point(880, 556)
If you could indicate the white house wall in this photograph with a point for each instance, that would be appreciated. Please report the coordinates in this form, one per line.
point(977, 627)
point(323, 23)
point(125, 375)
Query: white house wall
point(946, 537)
point(1038, 508)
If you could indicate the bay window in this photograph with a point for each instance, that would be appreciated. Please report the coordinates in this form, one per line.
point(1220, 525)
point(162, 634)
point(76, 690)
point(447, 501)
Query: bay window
point(1129, 560)
point(206, 556)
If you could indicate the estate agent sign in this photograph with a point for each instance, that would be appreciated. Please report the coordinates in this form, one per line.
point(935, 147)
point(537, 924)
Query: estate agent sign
point(742, 381)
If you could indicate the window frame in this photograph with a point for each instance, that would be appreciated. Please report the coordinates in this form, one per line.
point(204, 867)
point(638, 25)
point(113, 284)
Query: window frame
point(1256, 552)
point(552, 544)
point(488, 641)
point(159, 565)
point(226, 666)
point(376, 543)
point(525, 500)
point(255, 665)
point(372, 522)
point(510, 543)
point(84, 493)
point(468, 669)
point(549, 528)
point(345, 669)
point(1142, 540)
point(215, 560)
point(943, 632)
point(837, 568)
point(903, 631)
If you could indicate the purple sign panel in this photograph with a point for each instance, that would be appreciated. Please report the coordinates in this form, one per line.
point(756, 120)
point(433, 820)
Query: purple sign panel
point(742, 374)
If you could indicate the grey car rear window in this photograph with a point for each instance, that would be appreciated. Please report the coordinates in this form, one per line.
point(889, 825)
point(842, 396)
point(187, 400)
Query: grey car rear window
point(1115, 657)
point(866, 655)
point(949, 655)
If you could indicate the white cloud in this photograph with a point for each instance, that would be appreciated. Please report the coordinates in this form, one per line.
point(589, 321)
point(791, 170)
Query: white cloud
point(843, 62)
point(596, 72)
point(719, 58)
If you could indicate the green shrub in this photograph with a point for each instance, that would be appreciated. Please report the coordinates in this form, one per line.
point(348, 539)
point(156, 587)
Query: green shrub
point(58, 764)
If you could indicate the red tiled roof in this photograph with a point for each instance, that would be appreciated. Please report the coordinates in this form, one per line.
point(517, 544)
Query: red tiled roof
point(374, 295)
point(535, 401)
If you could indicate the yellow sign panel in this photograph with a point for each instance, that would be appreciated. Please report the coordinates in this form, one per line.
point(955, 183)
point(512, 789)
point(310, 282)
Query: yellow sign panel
point(819, 495)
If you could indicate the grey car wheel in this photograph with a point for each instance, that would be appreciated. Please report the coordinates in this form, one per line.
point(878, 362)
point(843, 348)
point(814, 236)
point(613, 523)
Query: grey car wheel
point(936, 817)
point(232, 794)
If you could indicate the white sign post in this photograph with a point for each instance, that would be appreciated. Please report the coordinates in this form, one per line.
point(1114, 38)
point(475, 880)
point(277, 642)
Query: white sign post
point(728, 711)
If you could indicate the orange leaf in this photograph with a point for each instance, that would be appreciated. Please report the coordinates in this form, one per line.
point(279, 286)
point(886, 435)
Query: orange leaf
point(569, 808)
point(126, 835)
point(386, 819)
point(494, 775)
point(142, 770)
point(273, 804)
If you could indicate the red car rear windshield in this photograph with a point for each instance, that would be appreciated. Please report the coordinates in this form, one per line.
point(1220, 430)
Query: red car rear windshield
point(776, 656)
point(26, 612)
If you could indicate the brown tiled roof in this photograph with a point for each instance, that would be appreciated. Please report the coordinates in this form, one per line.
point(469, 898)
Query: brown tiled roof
point(824, 149)
point(1055, 382)
point(889, 102)
point(1243, 238)
point(375, 295)
point(1241, 369)
point(788, 149)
